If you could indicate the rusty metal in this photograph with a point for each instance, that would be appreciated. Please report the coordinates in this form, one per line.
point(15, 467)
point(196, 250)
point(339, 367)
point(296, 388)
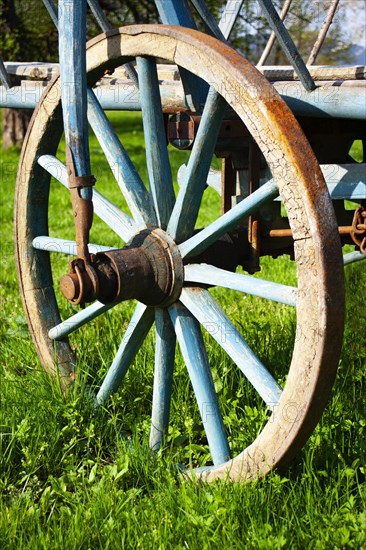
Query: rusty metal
point(183, 127)
point(280, 233)
point(148, 269)
point(358, 232)
point(82, 208)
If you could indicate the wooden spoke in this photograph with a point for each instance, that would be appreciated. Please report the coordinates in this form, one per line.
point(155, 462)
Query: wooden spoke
point(135, 334)
point(163, 378)
point(127, 177)
point(211, 275)
point(194, 353)
point(115, 218)
point(160, 176)
point(201, 304)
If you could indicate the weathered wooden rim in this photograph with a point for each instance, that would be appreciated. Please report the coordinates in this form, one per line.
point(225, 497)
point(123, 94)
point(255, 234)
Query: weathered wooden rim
point(317, 247)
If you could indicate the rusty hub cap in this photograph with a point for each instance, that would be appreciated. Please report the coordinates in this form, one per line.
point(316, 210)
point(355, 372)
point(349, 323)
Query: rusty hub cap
point(148, 269)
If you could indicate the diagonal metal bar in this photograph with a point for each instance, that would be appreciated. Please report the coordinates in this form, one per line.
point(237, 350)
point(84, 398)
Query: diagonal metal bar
point(228, 221)
point(163, 378)
point(194, 353)
point(115, 218)
point(287, 44)
point(127, 177)
point(157, 159)
point(211, 275)
point(201, 304)
point(183, 219)
point(135, 334)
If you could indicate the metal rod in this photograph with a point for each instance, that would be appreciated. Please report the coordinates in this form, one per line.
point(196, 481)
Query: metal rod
point(267, 50)
point(323, 32)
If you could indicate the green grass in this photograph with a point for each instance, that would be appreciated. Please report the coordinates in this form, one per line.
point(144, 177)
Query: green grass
point(72, 479)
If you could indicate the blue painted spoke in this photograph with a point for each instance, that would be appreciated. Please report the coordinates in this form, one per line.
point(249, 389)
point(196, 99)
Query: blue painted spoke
point(117, 220)
point(352, 257)
point(76, 321)
point(4, 77)
point(194, 353)
point(287, 44)
point(183, 219)
point(135, 334)
point(163, 378)
point(72, 41)
point(203, 239)
point(127, 177)
point(157, 159)
point(201, 304)
point(64, 246)
point(211, 275)
point(229, 16)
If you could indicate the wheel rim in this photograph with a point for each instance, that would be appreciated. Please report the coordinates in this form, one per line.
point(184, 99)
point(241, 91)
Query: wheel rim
point(319, 303)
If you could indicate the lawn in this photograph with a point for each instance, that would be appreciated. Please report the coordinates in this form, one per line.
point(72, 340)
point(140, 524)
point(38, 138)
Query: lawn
point(71, 478)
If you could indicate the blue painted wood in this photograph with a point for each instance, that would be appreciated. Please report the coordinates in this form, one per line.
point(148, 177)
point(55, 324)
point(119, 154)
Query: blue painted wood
point(352, 257)
point(52, 10)
point(183, 219)
point(157, 159)
point(228, 221)
point(115, 218)
point(326, 101)
point(4, 77)
point(106, 26)
point(72, 40)
point(208, 19)
point(201, 304)
point(163, 378)
point(64, 246)
point(210, 275)
point(194, 353)
point(133, 338)
point(344, 181)
point(229, 16)
point(287, 44)
point(124, 171)
point(60, 331)
point(177, 12)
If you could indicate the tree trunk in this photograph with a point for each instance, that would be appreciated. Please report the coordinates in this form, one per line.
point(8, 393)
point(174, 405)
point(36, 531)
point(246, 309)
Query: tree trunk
point(15, 124)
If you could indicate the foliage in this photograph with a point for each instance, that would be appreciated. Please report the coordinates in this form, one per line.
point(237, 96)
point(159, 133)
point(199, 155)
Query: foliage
point(29, 33)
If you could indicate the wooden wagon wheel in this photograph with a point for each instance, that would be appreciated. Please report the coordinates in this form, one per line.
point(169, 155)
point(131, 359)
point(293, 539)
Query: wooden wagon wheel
point(187, 303)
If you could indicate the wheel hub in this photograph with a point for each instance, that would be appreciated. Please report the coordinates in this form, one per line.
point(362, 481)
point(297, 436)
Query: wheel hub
point(148, 269)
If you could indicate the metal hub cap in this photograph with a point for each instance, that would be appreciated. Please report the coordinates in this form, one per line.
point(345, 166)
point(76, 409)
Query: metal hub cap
point(148, 269)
